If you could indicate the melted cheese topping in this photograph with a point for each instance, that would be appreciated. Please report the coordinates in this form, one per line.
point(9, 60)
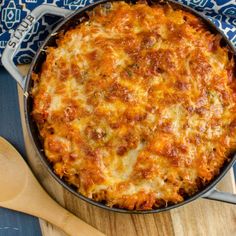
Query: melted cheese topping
point(136, 106)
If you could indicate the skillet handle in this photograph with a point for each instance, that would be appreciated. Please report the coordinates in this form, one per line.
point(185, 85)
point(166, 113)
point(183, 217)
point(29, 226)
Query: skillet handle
point(220, 196)
point(21, 32)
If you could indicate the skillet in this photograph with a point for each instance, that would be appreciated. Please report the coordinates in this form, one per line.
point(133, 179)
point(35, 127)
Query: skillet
point(70, 20)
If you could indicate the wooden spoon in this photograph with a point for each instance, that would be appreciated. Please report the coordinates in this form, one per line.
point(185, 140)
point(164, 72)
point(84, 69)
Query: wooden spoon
point(21, 191)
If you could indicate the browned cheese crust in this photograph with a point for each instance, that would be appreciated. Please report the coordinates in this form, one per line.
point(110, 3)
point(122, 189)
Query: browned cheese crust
point(136, 106)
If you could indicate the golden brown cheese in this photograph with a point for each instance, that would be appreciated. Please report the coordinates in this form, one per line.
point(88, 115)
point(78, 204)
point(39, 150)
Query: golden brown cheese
point(136, 106)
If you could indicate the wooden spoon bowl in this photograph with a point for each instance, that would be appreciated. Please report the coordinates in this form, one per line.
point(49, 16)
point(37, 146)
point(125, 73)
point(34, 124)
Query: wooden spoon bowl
point(13, 172)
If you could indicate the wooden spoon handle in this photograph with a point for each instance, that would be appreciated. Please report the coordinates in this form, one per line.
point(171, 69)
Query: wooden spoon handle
point(35, 201)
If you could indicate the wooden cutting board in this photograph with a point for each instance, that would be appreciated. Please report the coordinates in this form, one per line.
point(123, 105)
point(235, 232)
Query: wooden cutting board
point(201, 217)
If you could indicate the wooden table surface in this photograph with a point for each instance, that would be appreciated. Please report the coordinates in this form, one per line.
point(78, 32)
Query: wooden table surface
point(201, 217)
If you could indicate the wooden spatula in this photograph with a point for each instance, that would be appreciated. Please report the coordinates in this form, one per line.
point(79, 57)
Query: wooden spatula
point(19, 190)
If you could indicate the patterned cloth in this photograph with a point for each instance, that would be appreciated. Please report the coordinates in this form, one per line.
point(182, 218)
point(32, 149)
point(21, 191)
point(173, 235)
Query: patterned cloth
point(221, 12)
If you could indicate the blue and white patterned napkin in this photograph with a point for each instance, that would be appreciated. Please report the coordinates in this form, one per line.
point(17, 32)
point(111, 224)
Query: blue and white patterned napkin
point(12, 12)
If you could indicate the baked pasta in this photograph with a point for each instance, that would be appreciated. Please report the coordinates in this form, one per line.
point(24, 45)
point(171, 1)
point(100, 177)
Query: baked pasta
point(136, 106)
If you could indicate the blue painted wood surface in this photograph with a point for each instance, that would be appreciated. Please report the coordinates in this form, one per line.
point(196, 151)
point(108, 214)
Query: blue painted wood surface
point(13, 223)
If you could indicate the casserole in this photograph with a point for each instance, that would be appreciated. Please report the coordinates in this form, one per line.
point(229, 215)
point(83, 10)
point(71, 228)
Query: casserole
point(33, 129)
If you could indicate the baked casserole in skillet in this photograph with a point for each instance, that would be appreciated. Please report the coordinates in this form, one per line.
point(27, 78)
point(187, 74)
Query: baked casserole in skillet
point(136, 106)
